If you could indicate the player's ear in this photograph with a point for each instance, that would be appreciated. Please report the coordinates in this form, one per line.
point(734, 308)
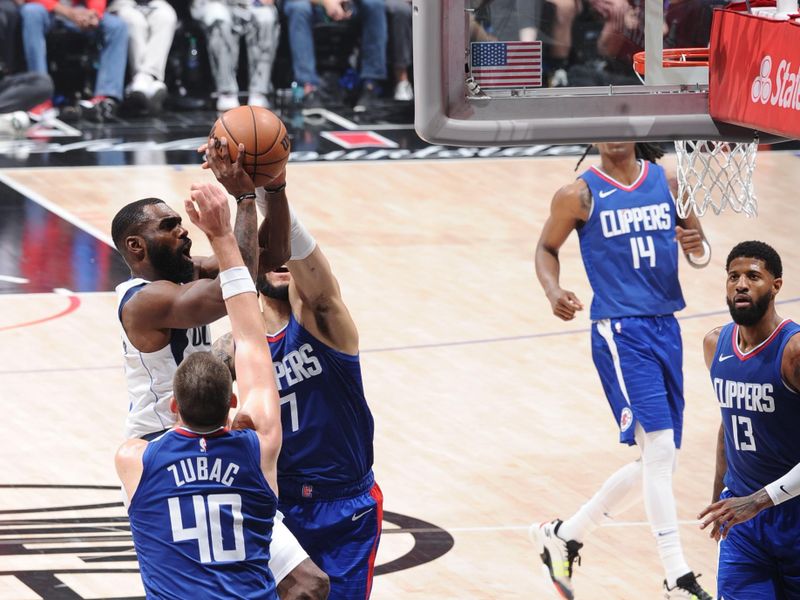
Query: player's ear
point(173, 405)
point(135, 246)
point(234, 400)
point(777, 284)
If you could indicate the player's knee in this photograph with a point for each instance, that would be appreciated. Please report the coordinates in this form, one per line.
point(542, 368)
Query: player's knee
point(659, 449)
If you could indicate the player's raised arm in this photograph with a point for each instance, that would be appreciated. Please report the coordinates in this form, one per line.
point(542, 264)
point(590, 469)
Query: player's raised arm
point(314, 293)
point(570, 207)
point(236, 181)
point(261, 405)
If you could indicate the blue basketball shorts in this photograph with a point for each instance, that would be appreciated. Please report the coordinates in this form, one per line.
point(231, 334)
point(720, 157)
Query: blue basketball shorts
point(341, 537)
point(760, 558)
point(639, 360)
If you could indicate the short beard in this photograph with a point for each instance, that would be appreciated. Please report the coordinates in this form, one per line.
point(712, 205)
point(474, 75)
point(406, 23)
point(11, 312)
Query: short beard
point(752, 314)
point(170, 266)
point(276, 292)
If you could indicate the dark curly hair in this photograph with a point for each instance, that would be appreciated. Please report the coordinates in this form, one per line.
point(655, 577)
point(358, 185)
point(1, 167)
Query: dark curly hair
point(645, 150)
point(760, 251)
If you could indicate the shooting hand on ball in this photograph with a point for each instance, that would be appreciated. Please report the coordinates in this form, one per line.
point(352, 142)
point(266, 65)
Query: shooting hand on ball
point(230, 173)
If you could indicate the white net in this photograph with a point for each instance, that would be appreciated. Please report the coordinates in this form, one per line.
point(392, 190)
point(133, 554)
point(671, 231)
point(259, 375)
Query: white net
point(716, 174)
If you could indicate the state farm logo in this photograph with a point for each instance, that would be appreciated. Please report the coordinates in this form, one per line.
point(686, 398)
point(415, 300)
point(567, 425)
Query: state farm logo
point(762, 85)
point(786, 89)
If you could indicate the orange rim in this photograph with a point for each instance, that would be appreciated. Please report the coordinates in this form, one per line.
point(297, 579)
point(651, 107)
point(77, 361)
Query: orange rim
point(675, 57)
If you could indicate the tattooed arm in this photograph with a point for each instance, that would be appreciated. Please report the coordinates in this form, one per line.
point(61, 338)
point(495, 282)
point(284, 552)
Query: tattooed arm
point(224, 349)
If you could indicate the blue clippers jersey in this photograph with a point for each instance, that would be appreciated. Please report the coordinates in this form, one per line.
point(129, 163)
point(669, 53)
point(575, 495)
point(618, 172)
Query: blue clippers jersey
point(760, 413)
point(628, 245)
point(327, 425)
point(202, 517)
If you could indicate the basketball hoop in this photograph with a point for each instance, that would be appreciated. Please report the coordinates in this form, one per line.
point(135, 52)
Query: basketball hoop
point(710, 174)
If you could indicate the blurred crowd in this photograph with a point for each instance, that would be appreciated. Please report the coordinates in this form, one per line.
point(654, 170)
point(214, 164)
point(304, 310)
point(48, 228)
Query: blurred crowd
point(131, 41)
point(590, 42)
point(141, 53)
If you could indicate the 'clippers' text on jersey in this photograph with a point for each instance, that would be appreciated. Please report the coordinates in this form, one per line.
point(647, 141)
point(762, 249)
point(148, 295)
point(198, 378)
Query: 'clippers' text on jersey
point(760, 412)
point(628, 245)
point(327, 425)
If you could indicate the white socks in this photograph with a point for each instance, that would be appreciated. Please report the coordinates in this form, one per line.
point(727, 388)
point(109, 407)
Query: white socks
point(619, 492)
point(658, 460)
point(652, 477)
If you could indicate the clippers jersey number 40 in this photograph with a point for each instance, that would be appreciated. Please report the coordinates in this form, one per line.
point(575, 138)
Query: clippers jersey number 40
point(208, 526)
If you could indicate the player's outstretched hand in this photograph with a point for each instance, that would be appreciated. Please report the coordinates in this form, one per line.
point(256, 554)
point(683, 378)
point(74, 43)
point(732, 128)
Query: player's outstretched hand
point(564, 304)
point(208, 209)
point(691, 240)
point(230, 174)
point(729, 512)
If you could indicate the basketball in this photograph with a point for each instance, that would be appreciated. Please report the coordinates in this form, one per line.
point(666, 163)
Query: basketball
point(266, 143)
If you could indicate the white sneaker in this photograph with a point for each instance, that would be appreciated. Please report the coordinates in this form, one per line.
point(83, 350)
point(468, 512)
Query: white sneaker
point(140, 84)
point(558, 555)
point(403, 92)
point(14, 123)
point(157, 93)
point(686, 588)
point(559, 78)
point(256, 99)
point(227, 102)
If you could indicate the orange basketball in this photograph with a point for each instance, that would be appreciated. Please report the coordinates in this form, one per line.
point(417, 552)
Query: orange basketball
point(266, 143)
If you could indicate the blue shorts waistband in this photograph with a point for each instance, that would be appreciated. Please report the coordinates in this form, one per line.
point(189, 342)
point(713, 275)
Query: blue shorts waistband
point(310, 491)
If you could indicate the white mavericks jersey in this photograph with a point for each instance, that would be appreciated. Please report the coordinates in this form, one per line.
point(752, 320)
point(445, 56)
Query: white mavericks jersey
point(149, 374)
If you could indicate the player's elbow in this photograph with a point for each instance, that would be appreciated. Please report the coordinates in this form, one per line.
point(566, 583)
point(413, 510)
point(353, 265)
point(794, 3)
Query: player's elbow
point(306, 582)
point(319, 587)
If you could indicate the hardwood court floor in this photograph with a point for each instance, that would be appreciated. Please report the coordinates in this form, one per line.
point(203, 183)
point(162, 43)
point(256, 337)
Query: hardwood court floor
point(489, 414)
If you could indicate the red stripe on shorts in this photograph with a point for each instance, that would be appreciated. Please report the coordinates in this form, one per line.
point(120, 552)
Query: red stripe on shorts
point(377, 494)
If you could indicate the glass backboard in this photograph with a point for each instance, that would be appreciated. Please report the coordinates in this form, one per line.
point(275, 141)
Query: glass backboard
point(513, 72)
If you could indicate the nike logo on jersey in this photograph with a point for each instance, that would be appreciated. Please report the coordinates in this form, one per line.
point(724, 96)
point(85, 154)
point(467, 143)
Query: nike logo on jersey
point(607, 193)
point(783, 489)
point(723, 358)
point(356, 517)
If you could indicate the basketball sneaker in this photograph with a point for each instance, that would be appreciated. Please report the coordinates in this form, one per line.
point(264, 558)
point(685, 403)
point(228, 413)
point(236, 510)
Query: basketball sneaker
point(557, 554)
point(686, 588)
point(226, 102)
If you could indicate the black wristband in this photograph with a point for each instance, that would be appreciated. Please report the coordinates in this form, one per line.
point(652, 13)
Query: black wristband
point(245, 196)
point(280, 188)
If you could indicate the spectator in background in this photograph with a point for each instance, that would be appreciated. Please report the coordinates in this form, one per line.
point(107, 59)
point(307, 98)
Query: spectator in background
point(18, 93)
point(372, 13)
point(151, 27)
point(399, 15)
point(9, 21)
point(225, 22)
point(615, 14)
point(513, 20)
point(89, 17)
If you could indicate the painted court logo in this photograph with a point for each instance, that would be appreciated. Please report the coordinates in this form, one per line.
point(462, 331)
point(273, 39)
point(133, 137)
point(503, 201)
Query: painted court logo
point(59, 540)
point(784, 92)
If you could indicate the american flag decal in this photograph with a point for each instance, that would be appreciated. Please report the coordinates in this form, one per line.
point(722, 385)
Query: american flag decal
point(506, 64)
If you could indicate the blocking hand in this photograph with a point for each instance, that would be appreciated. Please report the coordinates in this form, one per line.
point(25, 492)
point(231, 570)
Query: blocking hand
point(208, 209)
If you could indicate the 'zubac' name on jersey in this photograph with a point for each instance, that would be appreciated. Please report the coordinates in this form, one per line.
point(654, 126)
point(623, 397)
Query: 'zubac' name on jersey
point(621, 221)
point(297, 366)
point(740, 395)
point(197, 469)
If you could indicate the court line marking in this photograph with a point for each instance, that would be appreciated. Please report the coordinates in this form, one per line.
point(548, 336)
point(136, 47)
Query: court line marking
point(432, 345)
point(493, 528)
point(55, 209)
point(74, 304)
